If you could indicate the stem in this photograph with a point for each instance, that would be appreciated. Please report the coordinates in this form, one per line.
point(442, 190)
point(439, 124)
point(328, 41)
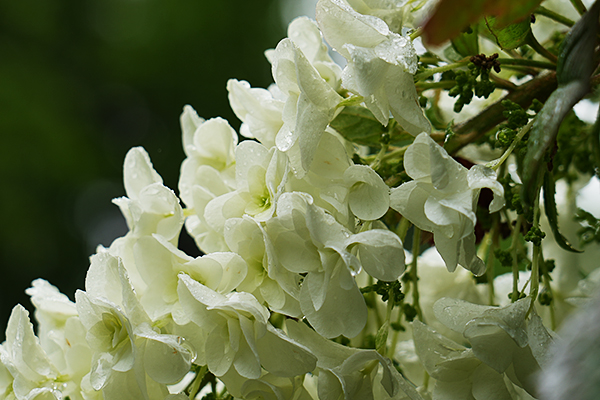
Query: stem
point(388, 316)
point(554, 16)
point(429, 72)
point(515, 264)
point(538, 48)
point(430, 59)
point(494, 238)
point(502, 83)
point(379, 158)
point(495, 164)
point(399, 152)
point(595, 139)
point(579, 6)
point(416, 248)
point(535, 261)
point(403, 228)
point(196, 384)
point(435, 85)
point(526, 63)
point(546, 279)
point(535, 277)
point(416, 33)
point(374, 302)
point(392, 349)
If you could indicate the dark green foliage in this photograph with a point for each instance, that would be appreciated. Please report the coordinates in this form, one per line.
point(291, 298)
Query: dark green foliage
point(545, 297)
point(386, 290)
point(410, 312)
point(504, 257)
point(516, 116)
point(574, 150)
point(535, 235)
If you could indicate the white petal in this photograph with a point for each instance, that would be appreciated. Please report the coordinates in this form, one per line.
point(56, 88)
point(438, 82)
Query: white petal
point(479, 177)
point(456, 314)
point(381, 253)
point(443, 358)
point(330, 320)
point(404, 105)
point(166, 360)
point(189, 121)
point(489, 384)
point(398, 50)
point(23, 348)
point(138, 172)
point(341, 24)
point(369, 196)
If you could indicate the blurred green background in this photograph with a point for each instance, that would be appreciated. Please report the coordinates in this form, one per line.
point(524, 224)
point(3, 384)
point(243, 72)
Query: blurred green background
point(82, 81)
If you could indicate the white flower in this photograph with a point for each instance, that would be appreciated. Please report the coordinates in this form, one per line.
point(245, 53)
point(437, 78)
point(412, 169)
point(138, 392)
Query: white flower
point(261, 110)
point(62, 336)
point(311, 103)
point(261, 175)
point(435, 282)
point(206, 173)
point(52, 366)
point(21, 354)
point(268, 386)
point(127, 349)
point(441, 199)
point(238, 335)
point(258, 109)
point(149, 208)
point(502, 338)
point(460, 374)
point(349, 373)
point(266, 279)
point(324, 179)
point(307, 240)
point(159, 263)
point(381, 63)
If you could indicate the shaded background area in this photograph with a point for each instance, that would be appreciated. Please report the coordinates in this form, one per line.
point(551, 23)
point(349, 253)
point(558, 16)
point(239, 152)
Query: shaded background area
point(82, 81)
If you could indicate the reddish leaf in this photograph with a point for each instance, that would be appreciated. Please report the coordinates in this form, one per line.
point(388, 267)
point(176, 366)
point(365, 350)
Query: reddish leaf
point(451, 17)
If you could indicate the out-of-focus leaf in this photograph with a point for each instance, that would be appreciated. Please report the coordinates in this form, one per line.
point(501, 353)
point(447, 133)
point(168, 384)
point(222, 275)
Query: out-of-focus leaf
point(552, 213)
point(467, 43)
point(358, 125)
point(543, 134)
point(575, 65)
point(452, 16)
point(595, 135)
point(452, 55)
point(576, 60)
point(510, 36)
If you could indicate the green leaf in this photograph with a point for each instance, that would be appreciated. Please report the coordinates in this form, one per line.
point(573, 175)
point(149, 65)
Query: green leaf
point(552, 213)
point(543, 135)
point(575, 65)
point(576, 58)
point(358, 125)
point(467, 43)
point(510, 36)
point(451, 17)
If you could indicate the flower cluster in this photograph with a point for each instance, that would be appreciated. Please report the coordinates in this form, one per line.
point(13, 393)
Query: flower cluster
point(295, 223)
